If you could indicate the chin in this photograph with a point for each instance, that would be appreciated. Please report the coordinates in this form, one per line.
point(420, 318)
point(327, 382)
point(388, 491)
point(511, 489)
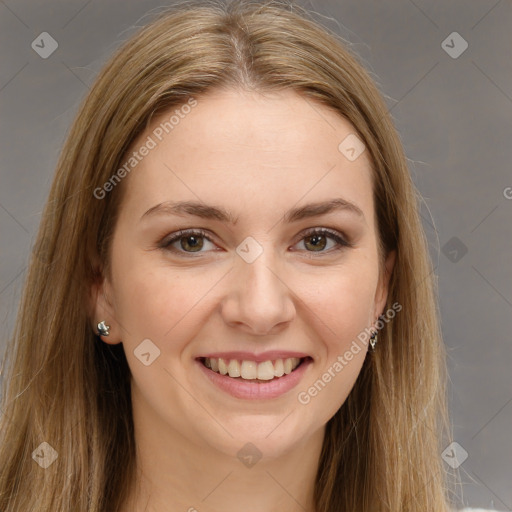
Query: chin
point(268, 436)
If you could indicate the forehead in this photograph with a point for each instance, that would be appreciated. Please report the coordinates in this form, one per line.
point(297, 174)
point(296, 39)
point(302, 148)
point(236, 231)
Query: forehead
point(248, 150)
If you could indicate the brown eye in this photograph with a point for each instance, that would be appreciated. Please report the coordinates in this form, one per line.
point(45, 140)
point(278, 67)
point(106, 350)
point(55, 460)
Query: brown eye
point(191, 243)
point(323, 241)
point(187, 242)
point(317, 242)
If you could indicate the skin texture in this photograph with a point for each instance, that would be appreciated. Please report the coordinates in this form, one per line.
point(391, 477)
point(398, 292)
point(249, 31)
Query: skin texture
point(257, 157)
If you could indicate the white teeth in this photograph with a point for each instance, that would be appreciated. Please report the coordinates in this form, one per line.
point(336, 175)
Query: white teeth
point(234, 368)
point(279, 368)
point(223, 367)
point(250, 370)
point(266, 371)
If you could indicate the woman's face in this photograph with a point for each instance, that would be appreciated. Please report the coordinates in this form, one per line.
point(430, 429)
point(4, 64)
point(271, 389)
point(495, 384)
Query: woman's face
point(259, 177)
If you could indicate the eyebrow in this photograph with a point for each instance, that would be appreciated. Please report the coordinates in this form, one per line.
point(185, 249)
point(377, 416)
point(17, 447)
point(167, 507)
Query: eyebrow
point(205, 211)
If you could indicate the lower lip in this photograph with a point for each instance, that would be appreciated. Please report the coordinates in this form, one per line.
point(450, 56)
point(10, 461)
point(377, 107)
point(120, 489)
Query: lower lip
point(240, 388)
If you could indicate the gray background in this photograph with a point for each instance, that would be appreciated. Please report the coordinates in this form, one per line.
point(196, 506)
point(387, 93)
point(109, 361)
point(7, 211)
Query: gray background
point(454, 116)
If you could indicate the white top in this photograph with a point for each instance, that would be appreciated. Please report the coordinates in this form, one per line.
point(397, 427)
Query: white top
point(476, 510)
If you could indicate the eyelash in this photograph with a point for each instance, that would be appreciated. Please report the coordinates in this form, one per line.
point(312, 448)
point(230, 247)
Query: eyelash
point(334, 235)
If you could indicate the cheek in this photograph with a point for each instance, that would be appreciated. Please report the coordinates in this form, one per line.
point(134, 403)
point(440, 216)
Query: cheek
point(339, 311)
point(340, 301)
point(158, 303)
point(148, 308)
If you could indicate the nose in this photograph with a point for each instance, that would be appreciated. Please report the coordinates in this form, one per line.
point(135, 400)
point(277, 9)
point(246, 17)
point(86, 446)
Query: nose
point(259, 300)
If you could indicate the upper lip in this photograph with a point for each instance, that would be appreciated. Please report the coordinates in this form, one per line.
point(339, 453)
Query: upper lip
point(271, 355)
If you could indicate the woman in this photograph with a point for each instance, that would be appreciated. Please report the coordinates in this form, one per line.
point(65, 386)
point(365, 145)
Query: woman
point(230, 303)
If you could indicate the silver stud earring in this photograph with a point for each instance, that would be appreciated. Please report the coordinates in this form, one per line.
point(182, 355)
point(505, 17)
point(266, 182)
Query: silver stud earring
point(373, 341)
point(103, 329)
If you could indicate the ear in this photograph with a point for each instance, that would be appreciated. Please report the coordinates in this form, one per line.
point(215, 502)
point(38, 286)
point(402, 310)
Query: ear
point(101, 308)
point(381, 294)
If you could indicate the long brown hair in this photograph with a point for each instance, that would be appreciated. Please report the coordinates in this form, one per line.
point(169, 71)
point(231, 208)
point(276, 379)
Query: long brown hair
point(382, 448)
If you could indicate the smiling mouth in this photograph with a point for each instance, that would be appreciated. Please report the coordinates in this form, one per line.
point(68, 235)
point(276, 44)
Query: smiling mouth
point(251, 371)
